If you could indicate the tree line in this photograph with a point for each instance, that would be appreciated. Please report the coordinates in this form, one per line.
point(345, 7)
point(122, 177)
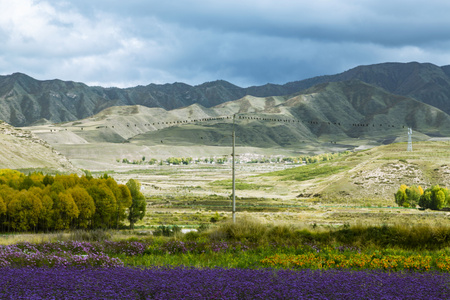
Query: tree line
point(38, 202)
point(434, 197)
point(306, 159)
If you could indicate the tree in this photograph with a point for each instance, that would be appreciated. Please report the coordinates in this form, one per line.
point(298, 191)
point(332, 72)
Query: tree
point(64, 211)
point(105, 205)
point(7, 193)
point(137, 209)
point(48, 180)
point(2, 206)
point(425, 199)
point(45, 218)
point(413, 194)
point(124, 201)
point(408, 196)
point(420, 190)
point(434, 198)
point(56, 188)
point(400, 198)
point(439, 200)
point(26, 183)
point(2, 210)
point(24, 210)
point(68, 181)
point(85, 204)
point(186, 160)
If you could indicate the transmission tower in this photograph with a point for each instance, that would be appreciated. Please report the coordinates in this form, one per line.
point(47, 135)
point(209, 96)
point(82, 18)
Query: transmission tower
point(409, 140)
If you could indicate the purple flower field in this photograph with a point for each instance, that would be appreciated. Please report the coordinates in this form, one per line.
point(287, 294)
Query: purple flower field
point(191, 283)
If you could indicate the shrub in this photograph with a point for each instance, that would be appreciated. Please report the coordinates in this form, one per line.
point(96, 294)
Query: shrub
point(167, 230)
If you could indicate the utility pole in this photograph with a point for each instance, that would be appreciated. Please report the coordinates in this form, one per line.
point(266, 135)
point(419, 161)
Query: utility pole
point(233, 171)
point(409, 140)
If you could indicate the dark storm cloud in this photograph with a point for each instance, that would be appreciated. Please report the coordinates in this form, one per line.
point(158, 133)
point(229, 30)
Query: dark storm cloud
point(394, 22)
point(246, 42)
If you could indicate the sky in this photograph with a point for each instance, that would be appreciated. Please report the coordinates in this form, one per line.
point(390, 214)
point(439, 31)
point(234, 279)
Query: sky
point(246, 42)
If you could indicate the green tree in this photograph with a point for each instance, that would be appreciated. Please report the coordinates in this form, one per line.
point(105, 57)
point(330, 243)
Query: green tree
point(413, 194)
point(26, 183)
point(186, 160)
point(439, 200)
point(48, 180)
point(434, 198)
point(124, 201)
point(401, 198)
point(137, 209)
point(425, 199)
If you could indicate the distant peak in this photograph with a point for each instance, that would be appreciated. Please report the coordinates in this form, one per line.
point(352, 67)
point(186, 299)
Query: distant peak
point(220, 82)
point(18, 74)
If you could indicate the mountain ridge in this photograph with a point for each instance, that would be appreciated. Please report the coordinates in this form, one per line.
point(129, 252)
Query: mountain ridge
point(25, 100)
point(326, 111)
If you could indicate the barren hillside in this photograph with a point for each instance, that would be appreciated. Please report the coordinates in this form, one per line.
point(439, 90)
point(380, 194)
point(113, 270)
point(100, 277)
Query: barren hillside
point(22, 150)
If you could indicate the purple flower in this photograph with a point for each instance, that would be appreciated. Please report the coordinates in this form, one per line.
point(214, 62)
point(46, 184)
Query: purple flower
point(191, 283)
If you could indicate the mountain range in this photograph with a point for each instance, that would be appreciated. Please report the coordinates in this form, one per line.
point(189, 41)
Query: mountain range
point(327, 117)
point(25, 101)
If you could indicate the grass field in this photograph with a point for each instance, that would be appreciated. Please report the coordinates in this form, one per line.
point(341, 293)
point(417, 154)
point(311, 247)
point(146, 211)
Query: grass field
point(351, 189)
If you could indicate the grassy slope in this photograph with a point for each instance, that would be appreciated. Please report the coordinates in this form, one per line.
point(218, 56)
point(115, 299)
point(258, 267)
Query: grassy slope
point(373, 174)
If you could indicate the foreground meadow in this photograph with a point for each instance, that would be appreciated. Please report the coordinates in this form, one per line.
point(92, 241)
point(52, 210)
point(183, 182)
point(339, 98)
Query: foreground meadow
point(247, 260)
point(218, 283)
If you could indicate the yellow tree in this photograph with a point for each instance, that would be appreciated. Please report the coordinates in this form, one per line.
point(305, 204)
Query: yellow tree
point(17, 220)
point(11, 178)
point(2, 212)
point(85, 205)
point(420, 190)
point(64, 211)
point(7, 193)
point(46, 217)
point(24, 209)
point(68, 181)
point(401, 197)
point(105, 205)
point(2, 206)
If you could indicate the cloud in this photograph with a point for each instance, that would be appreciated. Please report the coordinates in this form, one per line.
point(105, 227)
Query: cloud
point(247, 42)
